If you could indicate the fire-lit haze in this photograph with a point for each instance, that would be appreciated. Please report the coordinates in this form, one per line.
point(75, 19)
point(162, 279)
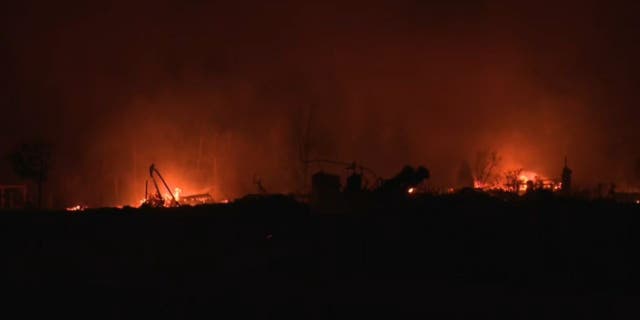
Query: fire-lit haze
point(219, 94)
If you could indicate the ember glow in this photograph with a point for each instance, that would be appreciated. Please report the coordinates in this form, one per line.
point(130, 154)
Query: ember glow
point(526, 176)
point(76, 208)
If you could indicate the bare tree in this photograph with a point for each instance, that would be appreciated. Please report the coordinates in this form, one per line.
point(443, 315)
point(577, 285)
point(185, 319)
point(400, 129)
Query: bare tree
point(304, 145)
point(486, 163)
point(31, 161)
point(512, 178)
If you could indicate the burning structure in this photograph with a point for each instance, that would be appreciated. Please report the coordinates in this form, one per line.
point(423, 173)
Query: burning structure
point(522, 181)
point(170, 198)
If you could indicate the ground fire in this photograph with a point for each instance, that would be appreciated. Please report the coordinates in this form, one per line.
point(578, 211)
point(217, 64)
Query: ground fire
point(521, 181)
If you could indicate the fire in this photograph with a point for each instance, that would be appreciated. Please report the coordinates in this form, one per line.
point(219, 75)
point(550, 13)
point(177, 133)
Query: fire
point(479, 185)
point(526, 176)
point(76, 208)
point(521, 183)
point(168, 197)
point(557, 187)
point(411, 190)
point(181, 199)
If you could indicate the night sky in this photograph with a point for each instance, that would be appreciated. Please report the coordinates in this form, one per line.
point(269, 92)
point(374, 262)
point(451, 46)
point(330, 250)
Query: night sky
point(217, 92)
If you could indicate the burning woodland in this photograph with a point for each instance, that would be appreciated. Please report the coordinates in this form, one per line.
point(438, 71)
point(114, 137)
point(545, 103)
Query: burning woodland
point(175, 153)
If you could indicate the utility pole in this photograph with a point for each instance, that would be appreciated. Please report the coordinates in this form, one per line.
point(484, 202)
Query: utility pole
point(566, 176)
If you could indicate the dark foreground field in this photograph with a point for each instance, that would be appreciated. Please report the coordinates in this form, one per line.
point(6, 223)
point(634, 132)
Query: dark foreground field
point(465, 257)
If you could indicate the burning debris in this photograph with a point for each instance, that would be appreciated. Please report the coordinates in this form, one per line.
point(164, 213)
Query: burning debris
point(155, 199)
point(76, 208)
point(196, 199)
point(521, 181)
point(170, 198)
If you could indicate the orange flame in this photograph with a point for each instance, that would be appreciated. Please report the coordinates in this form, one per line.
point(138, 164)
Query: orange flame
point(76, 208)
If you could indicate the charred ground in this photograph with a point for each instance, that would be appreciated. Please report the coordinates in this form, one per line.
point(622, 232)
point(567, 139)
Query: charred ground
point(465, 255)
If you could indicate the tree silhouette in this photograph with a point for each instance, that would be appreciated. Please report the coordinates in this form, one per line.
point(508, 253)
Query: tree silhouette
point(305, 145)
point(486, 162)
point(512, 178)
point(31, 161)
